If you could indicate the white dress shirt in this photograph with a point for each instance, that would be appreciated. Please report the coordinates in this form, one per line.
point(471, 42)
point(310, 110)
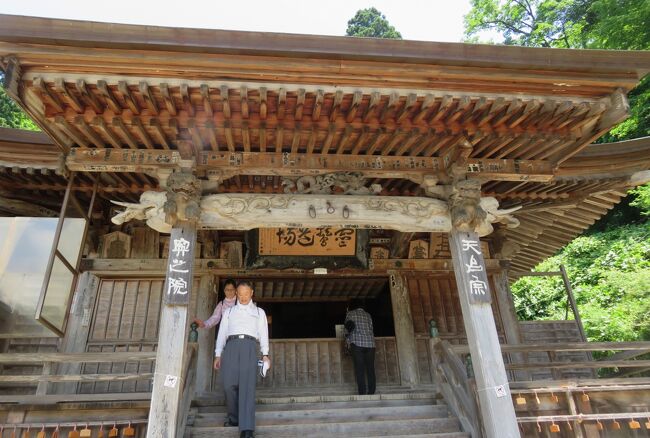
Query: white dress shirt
point(243, 319)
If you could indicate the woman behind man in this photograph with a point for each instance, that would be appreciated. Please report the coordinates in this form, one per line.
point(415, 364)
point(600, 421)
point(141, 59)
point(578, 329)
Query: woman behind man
point(230, 290)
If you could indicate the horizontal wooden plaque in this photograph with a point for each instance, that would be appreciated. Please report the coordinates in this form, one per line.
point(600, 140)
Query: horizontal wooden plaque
point(324, 241)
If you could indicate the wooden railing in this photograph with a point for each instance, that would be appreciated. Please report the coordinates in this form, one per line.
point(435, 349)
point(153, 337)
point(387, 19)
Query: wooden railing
point(458, 389)
point(49, 360)
point(188, 382)
point(582, 407)
point(626, 359)
point(578, 407)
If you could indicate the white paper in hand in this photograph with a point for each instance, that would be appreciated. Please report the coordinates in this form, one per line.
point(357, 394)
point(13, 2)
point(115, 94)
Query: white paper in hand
point(263, 366)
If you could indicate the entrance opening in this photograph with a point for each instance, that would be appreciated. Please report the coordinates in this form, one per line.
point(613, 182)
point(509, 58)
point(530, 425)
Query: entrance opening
point(312, 307)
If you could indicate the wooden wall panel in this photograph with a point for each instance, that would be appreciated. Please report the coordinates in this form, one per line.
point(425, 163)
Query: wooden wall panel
point(321, 362)
point(437, 297)
point(126, 318)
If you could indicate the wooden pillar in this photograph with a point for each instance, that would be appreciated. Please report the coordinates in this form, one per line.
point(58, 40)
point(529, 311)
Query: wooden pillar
point(404, 333)
point(497, 411)
point(173, 332)
point(205, 303)
point(76, 333)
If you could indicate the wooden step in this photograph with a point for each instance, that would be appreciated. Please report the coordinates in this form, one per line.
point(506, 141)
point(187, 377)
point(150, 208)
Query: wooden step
point(324, 405)
point(332, 415)
point(318, 398)
point(436, 427)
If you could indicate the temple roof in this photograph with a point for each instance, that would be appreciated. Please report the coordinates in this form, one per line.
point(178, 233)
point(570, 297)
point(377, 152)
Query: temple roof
point(247, 109)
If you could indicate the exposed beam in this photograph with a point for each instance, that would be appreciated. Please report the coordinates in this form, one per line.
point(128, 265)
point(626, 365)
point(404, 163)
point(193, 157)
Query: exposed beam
point(287, 164)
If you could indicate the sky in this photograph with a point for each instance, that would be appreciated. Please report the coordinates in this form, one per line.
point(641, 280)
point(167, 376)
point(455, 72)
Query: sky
point(426, 20)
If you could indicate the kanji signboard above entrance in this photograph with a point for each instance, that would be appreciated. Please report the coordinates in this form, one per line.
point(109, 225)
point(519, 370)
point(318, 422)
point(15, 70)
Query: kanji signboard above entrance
point(322, 241)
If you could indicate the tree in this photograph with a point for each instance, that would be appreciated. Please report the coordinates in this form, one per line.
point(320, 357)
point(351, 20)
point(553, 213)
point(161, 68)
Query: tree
point(11, 116)
point(595, 24)
point(371, 23)
point(535, 23)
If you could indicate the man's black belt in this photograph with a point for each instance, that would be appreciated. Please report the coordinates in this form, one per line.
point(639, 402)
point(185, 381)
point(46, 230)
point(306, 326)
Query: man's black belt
point(241, 337)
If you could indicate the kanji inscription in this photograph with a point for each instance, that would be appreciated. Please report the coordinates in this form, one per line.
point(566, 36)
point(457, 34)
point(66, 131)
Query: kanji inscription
point(179, 269)
point(322, 241)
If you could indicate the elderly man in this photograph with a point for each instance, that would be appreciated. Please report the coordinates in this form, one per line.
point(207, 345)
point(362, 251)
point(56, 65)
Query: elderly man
point(242, 327)
point(360, 336)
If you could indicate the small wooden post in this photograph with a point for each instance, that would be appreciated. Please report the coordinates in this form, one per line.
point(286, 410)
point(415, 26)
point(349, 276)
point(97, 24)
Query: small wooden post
point(497, 411)
point(172, 336)
point(204, 307)
point(572, 301)
point(404, 333)
point(511, 327)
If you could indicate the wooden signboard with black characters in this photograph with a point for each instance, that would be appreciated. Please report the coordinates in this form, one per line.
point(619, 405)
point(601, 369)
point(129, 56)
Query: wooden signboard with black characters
point(327, 247)
point(323, 241)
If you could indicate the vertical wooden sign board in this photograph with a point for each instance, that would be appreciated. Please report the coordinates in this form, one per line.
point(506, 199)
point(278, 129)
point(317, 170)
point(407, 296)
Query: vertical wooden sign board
point(169, 374)
point(179, 265)
point(497, 410)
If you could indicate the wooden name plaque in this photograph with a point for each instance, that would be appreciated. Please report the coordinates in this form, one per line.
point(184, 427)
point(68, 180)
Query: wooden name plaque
point(324, 241)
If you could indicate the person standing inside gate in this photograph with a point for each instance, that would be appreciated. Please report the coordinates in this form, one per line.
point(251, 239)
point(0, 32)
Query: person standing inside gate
point(242, 327)
point(230, 291)
point(360, 336)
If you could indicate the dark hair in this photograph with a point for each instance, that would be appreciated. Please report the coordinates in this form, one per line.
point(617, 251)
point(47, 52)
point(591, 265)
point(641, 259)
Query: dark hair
point(245, 283)
point(356, 303)
point(229, 281)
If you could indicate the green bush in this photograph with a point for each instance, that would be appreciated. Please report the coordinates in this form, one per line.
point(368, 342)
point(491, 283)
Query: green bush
point(610, 275)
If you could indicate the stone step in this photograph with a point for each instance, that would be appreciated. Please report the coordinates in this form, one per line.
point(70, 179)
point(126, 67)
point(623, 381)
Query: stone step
point(436, 427)
point(332, 415)
point(207, 409)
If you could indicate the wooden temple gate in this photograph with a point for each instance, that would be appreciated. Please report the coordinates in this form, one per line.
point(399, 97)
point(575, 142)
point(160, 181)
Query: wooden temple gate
point(454, 168)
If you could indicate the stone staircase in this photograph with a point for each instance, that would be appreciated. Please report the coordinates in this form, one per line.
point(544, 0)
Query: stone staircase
point(395, 412)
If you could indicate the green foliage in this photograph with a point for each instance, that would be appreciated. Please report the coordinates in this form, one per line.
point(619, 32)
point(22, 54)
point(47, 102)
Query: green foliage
point(11, 116)
point(536, 23)
point(618, 24)
point(642, 199)
point(610, 275)
point(370, 22)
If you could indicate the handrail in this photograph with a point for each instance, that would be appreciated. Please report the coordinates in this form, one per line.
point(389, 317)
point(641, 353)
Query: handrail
point(94, 357)
point(188, 381)
point(564, 346)
point(458, 389)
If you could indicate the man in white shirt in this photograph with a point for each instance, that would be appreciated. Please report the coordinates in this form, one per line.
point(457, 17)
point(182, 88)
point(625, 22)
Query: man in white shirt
point(242, 327)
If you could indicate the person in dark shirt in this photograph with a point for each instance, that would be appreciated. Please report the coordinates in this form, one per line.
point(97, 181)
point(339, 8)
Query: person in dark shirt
point(360, 337)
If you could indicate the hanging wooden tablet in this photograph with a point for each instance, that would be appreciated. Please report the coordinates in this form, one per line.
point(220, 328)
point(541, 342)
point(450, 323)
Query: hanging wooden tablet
point(74, 433)
point(26, 433)
point(585, 397)
point(554, 428)
point(599, 425)
point(634, 424)
point(55, 434)
point(128, 431)
point(554, 398)
point(616, 425)
point(13, 433)
point(100, 432)
point(113, 432)
point(41, 434)
point(521, 400)
point(647, 424)
point(85, 432)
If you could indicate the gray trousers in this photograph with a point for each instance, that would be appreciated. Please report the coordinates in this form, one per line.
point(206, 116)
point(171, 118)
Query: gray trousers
point(239, 376)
